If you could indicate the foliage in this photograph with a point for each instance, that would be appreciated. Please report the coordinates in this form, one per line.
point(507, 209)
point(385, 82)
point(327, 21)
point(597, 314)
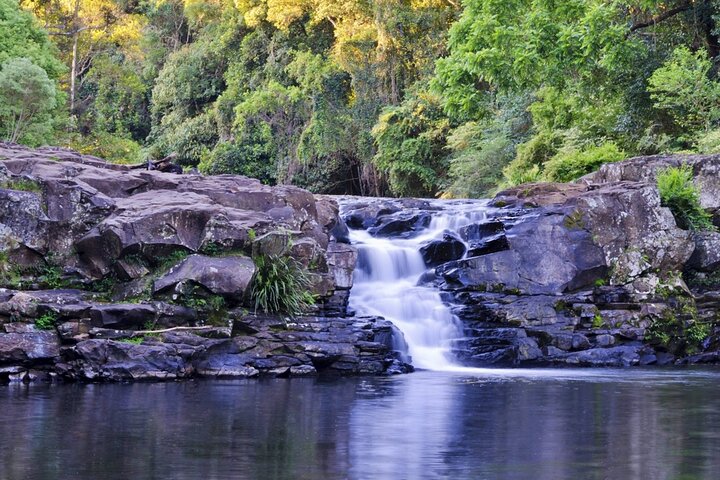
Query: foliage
point(46, 321)
point(678, 193)
point(571, 164)
point(280, 285)
point(410, 140)
point(679, 329)
point(401, 97)
point(21, 184)
point(682, 87)
point(113, 147)
point(27, 98)
point(709, 142)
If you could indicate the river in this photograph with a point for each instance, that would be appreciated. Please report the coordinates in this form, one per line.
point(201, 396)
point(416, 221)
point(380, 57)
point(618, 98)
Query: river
point(499, 424)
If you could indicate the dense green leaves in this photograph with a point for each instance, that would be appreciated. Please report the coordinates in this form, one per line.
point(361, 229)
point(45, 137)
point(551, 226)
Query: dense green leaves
point(399, 97)
point(678, 193)
point(27, 97)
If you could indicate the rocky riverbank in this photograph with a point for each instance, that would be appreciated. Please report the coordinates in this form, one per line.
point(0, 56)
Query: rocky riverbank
point(115, 273)
point(111, 273)
point(594, 273)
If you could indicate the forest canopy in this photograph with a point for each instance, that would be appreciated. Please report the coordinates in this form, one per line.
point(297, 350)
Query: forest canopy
point(381, 97)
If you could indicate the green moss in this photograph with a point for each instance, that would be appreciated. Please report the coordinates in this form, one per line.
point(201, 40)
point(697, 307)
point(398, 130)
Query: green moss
point(574, 221)
point(598, 321)
point(166, 262)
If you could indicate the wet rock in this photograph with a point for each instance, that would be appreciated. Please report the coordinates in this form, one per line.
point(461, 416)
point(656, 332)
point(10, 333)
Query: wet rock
point(480, 231)
point(492, 244)
point(401, 225)
point(108, 360)
point(604, 357)
point(442, 251)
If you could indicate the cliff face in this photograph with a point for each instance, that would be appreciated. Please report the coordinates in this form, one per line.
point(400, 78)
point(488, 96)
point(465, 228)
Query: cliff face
point(594, 273)
point(111, 273)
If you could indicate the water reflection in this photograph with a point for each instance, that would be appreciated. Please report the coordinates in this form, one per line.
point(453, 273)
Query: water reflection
point(609, 424)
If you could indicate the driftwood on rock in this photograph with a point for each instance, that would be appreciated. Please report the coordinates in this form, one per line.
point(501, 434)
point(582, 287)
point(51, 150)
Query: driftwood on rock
point(165, 165)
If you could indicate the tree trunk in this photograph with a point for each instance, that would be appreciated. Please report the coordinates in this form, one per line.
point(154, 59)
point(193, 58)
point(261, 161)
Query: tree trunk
point(73, 71)
point(73, 67)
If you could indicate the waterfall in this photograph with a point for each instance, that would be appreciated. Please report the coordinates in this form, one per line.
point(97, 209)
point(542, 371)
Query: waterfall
point(385, 284)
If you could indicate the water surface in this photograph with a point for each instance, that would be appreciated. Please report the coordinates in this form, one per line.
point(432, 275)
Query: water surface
point(518, 424)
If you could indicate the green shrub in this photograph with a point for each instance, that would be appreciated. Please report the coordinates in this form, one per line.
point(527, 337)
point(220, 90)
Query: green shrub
point(112, 147)
point(679, 330)
point(709, 142)
point(570, 165)
point(678, 193)
point(531, 155)
point(280, 285)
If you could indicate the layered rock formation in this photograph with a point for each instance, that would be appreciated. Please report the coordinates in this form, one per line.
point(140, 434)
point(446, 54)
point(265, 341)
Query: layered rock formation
point(114, 273)
point(593, 273)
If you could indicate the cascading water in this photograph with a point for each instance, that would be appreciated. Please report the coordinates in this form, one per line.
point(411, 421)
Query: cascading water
point(386, 279)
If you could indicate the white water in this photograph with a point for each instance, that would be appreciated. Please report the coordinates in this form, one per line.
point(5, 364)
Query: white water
point(385, 285)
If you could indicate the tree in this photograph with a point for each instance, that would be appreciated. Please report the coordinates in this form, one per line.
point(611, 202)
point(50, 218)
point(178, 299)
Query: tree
point(683, 88)
point(21, 36)
point(27, 96)
point(82, 29)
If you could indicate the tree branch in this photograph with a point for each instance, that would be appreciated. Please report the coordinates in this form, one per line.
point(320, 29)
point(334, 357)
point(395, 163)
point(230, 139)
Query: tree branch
point(661, 17)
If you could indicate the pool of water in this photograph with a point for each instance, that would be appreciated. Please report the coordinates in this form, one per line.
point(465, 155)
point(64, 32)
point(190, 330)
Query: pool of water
point(470, 424)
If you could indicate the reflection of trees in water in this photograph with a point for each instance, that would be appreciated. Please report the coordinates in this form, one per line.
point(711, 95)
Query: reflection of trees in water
point(417, 426)
point(276, 429)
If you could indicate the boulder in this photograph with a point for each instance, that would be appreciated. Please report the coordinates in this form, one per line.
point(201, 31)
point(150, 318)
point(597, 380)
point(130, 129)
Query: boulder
point(706, 172)
point(226, 276)
point(404, 225)
point(442, 251)
point(706, 256)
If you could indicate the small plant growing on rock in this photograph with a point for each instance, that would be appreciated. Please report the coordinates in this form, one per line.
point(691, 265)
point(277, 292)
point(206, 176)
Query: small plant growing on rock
point(280, 285)
point(678, 193)
point(21, 185)
point(679, 329)
point(46, 321)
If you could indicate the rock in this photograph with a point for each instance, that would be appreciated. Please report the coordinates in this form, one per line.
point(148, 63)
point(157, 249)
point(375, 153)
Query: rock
point(108, 360)
point(401, 225)
point(123, 316)
point(226, 276)
point(544, 257)
point(706, 172)
point(492, 244)
point(29, 348)
point(706, 256)
point(605, 340)
point(605, 357)
point(442, 251)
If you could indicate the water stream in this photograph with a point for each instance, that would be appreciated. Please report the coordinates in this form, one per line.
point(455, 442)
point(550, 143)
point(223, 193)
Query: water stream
point(386, 280)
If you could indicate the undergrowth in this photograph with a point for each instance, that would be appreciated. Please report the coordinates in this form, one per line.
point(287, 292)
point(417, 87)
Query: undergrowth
point(281, 285)
point(682, 197)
